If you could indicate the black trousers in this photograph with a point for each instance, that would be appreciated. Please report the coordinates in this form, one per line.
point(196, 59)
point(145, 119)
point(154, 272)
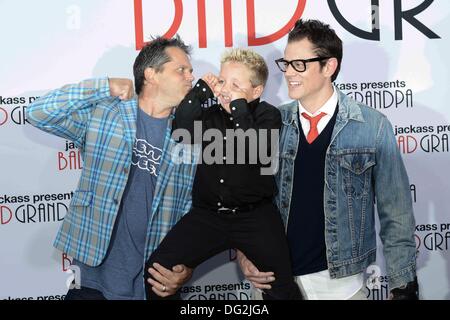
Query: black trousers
point(203, 233)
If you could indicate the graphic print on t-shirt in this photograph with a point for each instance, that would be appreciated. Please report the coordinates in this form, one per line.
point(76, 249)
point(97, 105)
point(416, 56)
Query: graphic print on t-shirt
point(146, 156)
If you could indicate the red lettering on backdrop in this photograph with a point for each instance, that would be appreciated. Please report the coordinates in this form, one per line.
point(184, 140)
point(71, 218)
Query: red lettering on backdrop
point(4, 219)
point(407, 144)
point(201, 15)
point(139, 27)
point(253, 41)
point(72, 160)
point(5, 117)
point(228, 23)
point(62, 162)
point(66, 262)
point(418, 241)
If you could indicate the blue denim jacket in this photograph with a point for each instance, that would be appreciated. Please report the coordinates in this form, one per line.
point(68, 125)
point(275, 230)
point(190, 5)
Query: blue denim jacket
point(362, 164)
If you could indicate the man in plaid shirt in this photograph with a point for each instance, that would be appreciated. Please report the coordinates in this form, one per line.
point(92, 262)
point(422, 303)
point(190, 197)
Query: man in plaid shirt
point(131, 191)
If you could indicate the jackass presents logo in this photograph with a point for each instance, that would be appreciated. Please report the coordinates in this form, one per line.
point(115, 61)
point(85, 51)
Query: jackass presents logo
point(381, 95)
point(433, 237)
point(70, 158)
point(31, 209)
point(13, 110)
point(425, 138)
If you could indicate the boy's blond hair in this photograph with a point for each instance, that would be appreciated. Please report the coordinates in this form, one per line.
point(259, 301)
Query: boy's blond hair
point(251, 60)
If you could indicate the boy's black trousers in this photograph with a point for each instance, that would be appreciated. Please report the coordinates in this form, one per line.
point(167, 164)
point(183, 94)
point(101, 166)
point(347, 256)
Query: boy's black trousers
point(202, 233)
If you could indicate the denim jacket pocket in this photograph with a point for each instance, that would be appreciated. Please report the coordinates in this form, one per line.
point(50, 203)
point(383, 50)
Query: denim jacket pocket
point(356, 167)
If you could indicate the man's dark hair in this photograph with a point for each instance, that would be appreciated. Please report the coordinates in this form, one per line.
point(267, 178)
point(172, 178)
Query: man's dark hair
point(154, 55)
point(324, 39)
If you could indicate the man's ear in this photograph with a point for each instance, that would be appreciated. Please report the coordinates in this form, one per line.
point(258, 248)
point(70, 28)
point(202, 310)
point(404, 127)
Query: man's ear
point(330, 67)
point(149, 75)
point(257, 91)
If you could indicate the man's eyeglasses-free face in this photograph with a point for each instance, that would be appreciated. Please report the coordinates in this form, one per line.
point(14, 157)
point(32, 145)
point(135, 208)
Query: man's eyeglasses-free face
point(299, 65)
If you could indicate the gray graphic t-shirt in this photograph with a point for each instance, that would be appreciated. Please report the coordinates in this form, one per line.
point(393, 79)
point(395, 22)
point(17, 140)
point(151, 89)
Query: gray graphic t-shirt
point(120, 276)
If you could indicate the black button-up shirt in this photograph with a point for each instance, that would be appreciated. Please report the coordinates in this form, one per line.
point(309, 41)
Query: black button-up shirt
point(222, 184)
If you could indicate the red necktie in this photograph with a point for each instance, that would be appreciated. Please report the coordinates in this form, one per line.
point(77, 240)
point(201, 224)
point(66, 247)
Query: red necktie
point(313, 121)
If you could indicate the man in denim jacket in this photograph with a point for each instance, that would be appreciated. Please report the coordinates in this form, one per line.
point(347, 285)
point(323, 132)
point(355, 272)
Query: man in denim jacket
point(337, 158)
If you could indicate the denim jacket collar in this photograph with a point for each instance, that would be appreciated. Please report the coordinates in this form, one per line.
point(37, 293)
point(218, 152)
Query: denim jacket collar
point(348, 109)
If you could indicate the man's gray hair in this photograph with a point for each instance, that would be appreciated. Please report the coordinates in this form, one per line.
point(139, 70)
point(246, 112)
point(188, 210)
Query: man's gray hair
point(154, 55)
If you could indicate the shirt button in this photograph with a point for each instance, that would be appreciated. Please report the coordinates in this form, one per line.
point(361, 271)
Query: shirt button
point(225, 138)
point(222, 181)
point(237, 124)
point(116, 201)
point(125, 170)
point(231, 118)
point(234, 108)
point(219, 204)
point(204, 89)
point(198, 85)
point(190, 101)
point(224, 158)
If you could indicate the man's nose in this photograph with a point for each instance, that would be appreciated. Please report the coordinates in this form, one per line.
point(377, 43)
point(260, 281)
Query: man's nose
point(190, 77)
point(290, 71)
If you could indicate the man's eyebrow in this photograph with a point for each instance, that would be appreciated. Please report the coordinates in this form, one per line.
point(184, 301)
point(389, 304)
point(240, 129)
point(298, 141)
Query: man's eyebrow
point(184, 66)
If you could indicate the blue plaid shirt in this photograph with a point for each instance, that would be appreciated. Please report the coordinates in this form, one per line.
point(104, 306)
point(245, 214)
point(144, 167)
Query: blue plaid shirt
point(104, 128)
